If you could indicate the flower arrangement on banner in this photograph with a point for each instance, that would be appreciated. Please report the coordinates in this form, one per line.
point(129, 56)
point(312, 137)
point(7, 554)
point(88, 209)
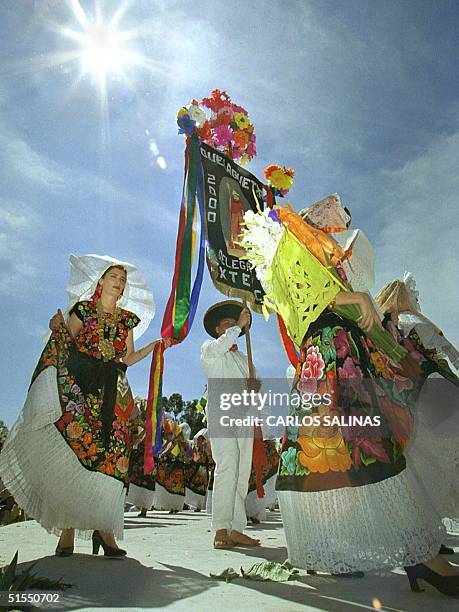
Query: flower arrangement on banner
point(221, 124)
point(260, 238)
point(279, 178)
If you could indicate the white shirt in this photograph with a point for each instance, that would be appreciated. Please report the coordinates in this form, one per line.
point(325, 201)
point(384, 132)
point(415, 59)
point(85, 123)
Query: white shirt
point(218, 361)
point(226, 372)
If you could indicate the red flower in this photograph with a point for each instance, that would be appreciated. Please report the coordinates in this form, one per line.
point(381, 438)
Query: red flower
point(217, 100)
point(205, 133)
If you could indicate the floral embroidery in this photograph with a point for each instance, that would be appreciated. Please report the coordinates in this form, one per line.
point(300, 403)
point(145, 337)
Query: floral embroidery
point(323, 450)
point(311, 371)
point(81, 420)
point(362, 382)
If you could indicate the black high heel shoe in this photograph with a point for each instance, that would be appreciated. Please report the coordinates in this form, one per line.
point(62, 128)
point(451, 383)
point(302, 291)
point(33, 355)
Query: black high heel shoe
point(98, 541)
point(63, 552)
point(448, 585)
point(446, 550)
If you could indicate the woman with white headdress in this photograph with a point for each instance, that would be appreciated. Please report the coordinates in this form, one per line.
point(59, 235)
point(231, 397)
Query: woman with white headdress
point(66, 458)
point(433, 451)
point(400, 299)
point(350, 502)
point(172, 461)
point(197, 472)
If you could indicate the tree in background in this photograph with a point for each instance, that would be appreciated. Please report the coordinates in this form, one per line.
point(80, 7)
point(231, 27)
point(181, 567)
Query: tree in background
point(184, 411)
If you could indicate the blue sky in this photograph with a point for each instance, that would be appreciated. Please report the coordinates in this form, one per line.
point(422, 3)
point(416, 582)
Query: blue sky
point(360, 97)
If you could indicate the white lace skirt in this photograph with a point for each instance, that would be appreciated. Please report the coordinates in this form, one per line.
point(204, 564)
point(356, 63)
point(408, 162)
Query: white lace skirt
point(140, 497)
point(46, 478)
point(164, 500)
point(255, 506)
point(433, 454)
point(194, 500)
point(386, 524)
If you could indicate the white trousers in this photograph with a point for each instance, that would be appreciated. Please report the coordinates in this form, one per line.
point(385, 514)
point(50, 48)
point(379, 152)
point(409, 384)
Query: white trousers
point(233, 462)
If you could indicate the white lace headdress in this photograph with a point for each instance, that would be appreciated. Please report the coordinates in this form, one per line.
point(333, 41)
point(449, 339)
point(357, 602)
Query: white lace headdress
point(413, 293)
point(85, 272)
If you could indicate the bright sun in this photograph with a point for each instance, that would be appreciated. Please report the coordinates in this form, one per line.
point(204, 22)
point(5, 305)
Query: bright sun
point(101, 51)
point(102, 46)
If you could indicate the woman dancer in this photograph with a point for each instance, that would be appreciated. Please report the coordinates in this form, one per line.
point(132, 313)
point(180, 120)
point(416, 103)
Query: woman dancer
point(197, 473)
point(141, 491)
point(172, 461)
point(66, 458)
point(349, 500)
point(433, 450)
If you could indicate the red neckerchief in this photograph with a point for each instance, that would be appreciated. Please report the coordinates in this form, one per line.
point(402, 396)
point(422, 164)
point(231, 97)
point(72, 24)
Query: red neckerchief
point(233, 348)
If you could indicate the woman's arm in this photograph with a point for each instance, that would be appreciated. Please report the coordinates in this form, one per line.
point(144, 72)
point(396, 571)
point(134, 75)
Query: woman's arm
point(369, 316)
point(132, 356)
point(74, 324)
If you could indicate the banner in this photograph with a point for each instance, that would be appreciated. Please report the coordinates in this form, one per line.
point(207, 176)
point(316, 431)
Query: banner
point(229, 191)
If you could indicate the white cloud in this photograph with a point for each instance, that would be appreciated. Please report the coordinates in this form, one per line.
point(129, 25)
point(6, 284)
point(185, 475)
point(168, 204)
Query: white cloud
point(20, 159)
point(420, 231)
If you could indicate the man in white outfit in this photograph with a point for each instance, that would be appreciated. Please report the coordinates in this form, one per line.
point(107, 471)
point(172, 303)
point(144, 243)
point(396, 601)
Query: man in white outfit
point(227, 370)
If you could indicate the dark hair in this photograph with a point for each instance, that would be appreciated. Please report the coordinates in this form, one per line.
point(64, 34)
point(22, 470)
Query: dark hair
point(115, 266)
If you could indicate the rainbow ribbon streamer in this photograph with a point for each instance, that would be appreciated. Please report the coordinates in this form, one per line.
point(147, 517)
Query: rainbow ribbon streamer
point(183, 299)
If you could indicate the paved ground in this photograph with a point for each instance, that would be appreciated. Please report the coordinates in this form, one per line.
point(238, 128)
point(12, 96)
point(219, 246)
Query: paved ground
point(170, 558)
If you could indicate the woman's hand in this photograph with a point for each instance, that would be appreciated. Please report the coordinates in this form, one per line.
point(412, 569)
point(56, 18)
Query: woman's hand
point(132, 356)
point(56, 321)
point(370, 315)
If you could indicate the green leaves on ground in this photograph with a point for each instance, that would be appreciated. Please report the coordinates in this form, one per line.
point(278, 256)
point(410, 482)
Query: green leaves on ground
point(264, 571)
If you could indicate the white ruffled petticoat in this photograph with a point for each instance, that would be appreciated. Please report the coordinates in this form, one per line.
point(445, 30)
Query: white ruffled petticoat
point(140, 496)
point(386, 524)
point(164, 500)
point(433, 453)
point(45, 476)
point(255, 506)
point(194, 500)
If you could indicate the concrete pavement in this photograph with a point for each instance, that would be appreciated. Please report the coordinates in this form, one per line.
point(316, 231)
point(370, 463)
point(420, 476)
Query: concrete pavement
point(168, 565)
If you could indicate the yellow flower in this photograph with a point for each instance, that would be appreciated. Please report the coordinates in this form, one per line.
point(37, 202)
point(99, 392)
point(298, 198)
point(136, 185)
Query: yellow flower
point(280, 179)
point(381, 365)
point(241, 120)
point(182, 111)
point(323, 453)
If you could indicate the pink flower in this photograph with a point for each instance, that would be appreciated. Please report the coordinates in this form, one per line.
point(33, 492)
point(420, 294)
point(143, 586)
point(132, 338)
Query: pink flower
point(416, 355)
point(223, 135)
point(371, 448)
point(353, 374)
point(402, 383)
point(236, 153)
point(341, 343)
point(312, 370)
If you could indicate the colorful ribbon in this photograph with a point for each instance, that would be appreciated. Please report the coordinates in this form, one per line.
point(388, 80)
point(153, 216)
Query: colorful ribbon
point(183, 299)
